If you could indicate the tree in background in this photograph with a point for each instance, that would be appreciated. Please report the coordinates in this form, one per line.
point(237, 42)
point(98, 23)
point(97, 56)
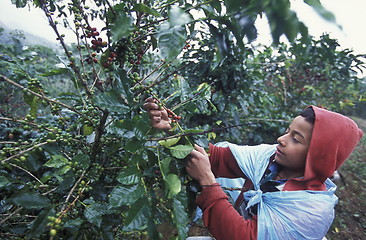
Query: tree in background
point(81, 161)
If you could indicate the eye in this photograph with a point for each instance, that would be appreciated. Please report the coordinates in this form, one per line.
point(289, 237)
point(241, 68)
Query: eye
point(295, 140)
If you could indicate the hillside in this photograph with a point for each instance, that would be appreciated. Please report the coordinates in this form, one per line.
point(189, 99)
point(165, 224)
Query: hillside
point(8, 35)
point(350, 221)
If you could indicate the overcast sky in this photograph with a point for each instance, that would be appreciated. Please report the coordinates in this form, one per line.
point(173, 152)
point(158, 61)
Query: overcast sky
point(350, 14)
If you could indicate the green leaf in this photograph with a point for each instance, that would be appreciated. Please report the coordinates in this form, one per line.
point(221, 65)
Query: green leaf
point(20, 3)
point(134, 144)
point(129, 177)
point(82, 160)
point(3, 181)
point(181, 151)
point(233, 5)
point(171, 40)
point(87, 129)
point(94, 213)
point(73, 225)
point(164, 165)
point(31, 200)
point(139, 7)
point(122, 26)
point(320, 10)
point(180, 215)
point(172, 35)
point(126, 195)
point(178, 17)
point(169, 142)
point(32, 101)
point(63, 170)
point(173, 185)
point(55, 72)
point(113, 101)
point(56, 161)
point(137, 216)
point(39, 225)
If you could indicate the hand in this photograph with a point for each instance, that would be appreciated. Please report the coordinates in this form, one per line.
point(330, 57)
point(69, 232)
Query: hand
point(199, 167)
point(158, 116)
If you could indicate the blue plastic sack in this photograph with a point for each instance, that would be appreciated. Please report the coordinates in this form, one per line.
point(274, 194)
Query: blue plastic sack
point(284, 214)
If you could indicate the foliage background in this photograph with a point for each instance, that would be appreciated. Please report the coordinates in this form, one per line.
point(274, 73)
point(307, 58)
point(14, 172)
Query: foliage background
point(79, 159)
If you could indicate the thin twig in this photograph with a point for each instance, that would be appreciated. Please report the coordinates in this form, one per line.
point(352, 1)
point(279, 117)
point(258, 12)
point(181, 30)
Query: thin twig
point(25, 170)
point(64, 209)
point(10, 215)
point(216, 129)
point(26, 150)
point(4, 78)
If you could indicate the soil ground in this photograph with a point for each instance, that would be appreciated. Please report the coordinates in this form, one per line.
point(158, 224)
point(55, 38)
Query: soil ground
point(350, 220)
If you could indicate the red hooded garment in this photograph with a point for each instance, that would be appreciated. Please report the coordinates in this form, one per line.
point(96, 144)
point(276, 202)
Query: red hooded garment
point(333, 139)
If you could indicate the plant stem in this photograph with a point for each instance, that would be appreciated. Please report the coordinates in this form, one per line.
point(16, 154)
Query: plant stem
point(217, 129)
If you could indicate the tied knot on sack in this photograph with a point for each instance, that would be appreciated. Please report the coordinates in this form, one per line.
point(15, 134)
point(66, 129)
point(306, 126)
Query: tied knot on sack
point(253, 197)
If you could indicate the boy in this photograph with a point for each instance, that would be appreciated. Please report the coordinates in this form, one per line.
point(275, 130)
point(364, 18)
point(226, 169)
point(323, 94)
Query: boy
point(290, 195)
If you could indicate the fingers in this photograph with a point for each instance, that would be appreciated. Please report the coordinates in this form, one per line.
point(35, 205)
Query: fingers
point(198, 154)
point(200, 149)
point(150, 104)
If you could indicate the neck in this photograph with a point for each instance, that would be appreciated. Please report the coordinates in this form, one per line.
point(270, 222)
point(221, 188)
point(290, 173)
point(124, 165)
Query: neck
point(286, 173)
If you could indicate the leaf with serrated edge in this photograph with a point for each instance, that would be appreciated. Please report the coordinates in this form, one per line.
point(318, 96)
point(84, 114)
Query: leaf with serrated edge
point(173, 184)
point(169, 142)
point(181, 151)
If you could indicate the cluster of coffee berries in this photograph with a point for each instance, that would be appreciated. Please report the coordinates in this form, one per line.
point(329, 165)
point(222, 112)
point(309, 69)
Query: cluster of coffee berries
point(91, 32)
point(129, 51)
point(111, 58)
point(34, 83)
point(187, 46)
point(55, 109)
point(54, 223)
point(92, 58)
point(84, 187)
point(98, 44)
point(175, 118)
point(135, 77)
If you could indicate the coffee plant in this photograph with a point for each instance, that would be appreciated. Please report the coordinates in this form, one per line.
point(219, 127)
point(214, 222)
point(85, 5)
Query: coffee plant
point(79, 159)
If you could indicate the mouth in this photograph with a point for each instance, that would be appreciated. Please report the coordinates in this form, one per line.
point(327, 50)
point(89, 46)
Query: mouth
point(279, 152)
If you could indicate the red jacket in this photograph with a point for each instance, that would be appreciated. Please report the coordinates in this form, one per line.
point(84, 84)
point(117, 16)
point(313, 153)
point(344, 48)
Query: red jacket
point(334, 138)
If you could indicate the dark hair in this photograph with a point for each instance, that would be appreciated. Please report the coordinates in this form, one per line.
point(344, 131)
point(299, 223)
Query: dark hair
point(308, 114)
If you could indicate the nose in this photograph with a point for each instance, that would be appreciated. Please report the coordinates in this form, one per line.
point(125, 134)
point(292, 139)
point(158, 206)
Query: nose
point(281, 140)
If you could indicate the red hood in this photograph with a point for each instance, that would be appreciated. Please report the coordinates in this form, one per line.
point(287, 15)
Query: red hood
point(333, 140)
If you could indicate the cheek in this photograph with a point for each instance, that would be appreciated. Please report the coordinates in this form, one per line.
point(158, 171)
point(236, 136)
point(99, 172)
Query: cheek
point(302, 156)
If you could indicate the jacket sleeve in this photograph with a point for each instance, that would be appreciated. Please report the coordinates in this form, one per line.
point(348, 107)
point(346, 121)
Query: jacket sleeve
point(220, 217)
point(223, 163)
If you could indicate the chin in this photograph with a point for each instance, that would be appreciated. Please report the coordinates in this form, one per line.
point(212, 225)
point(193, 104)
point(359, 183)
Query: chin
point(279, 161)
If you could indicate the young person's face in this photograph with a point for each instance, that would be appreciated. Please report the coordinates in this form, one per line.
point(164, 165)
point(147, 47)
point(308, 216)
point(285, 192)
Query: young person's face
point(293, 146)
